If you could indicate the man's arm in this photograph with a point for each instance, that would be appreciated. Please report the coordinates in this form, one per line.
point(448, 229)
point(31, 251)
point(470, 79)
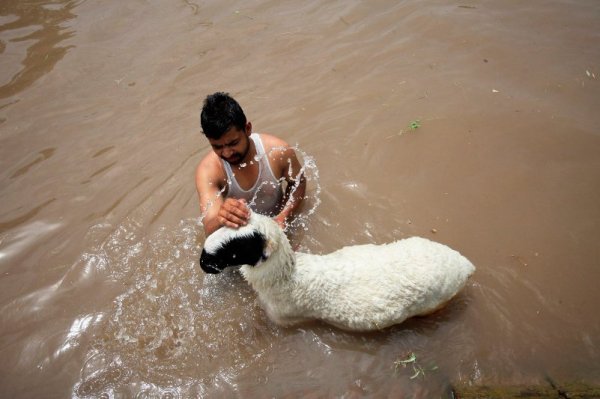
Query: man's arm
point(216, 210)
point(291, 171)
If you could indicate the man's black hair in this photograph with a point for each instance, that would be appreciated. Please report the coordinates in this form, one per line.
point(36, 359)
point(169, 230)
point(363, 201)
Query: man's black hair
point(219, 113)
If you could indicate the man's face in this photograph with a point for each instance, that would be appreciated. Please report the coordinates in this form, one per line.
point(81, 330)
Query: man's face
point(233, 146)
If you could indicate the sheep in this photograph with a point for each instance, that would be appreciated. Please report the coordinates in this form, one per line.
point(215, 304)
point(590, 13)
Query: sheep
point(356, 288)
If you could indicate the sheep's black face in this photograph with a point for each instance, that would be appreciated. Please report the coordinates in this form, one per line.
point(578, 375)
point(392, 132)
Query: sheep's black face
point(235, 251)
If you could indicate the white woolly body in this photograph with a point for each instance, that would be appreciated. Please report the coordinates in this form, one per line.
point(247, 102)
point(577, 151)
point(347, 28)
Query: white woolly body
point(362, 287)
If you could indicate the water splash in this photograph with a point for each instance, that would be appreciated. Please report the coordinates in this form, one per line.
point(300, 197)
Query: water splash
point(172, 331)
point(310, 172)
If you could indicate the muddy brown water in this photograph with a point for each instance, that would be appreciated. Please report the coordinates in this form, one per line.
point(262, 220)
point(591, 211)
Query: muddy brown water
point(100, 291)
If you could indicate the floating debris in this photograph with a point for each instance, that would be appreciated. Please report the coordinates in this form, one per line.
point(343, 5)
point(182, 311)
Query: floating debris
point(411, 359)
point(414, 124)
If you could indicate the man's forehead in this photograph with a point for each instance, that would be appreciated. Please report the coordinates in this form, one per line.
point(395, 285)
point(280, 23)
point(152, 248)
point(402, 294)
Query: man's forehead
point(231, 135)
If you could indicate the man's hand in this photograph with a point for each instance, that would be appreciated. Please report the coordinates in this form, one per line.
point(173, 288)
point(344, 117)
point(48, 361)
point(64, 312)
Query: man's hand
point(280, 220)
point(233, 213)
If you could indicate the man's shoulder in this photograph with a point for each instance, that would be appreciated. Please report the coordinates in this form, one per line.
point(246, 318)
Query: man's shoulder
point(278, 149)
point(210, 166)
point(270, 141)
point(280, 153)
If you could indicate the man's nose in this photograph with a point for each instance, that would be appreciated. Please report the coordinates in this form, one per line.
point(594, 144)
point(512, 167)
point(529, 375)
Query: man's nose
point(227, 152)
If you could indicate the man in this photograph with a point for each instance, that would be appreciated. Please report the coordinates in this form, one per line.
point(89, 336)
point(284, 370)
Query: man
point(244, 170)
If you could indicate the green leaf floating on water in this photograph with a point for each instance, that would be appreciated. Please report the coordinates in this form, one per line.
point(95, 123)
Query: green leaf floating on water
point(411, 359)
point(414, 124)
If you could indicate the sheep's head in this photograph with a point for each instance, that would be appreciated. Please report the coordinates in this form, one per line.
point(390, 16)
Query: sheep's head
point(248, 245)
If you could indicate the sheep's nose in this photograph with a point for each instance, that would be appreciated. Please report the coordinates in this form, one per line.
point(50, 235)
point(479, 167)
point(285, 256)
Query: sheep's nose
point(210, 263)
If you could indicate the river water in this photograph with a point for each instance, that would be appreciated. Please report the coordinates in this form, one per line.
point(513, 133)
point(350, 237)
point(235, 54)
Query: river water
point(100, 291)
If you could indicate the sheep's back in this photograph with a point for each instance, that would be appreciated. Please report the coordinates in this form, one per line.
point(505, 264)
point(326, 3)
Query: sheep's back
point(373, 286)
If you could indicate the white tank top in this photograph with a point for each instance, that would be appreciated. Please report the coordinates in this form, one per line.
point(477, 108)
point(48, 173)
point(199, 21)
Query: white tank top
point(266, 194)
